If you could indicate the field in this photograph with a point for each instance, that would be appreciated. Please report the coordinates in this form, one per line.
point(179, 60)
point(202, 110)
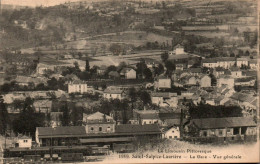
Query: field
point(101, 43)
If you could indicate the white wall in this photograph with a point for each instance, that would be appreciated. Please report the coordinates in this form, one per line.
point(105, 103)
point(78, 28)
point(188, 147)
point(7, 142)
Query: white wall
point(77, 88)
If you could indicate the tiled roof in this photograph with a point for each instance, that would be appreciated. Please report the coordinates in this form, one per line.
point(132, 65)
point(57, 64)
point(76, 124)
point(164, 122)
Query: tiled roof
point(220, 69)
point(77, 81)
point(135, 129)
point(149, 116)
point(125, 70)
point(247, 79)
point(212, 123)
point(163, 94)
point(195, 70)
point(113, 91)
point(42, 103)
point(65, 130)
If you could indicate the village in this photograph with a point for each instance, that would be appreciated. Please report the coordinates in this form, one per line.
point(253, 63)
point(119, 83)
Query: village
point(119, 98)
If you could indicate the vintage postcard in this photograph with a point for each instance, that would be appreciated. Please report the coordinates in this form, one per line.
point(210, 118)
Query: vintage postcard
point(129, 81)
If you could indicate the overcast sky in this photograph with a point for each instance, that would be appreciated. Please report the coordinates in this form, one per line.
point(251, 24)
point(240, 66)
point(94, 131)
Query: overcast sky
point(36, 2)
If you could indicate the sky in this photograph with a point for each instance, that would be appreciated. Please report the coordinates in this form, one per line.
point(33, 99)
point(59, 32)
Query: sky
point(36, 2)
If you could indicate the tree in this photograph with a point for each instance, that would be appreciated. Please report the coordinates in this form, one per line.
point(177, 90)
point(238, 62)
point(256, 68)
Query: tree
point(148, 74)
point(116, 49)
point(145, 97)
point(65, 120)
point(164, 56)
point(232, 54)
point(4, 117)
point(159, 70)
point(141, 66)
point(53, 83)
point(87, 67)
point(247, 53)
point(170, 66)
point(28, 120)
point(133, 96)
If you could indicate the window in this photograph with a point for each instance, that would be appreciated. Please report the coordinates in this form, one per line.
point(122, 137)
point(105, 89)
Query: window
point(175, 137)
point(220, 132)
point(108, 120)
point(144, 122)
point(25, 141)
point(108, 129)
point(170, 136)
point(92, 129)
point(100, 129)
point(150, 122)
point(173, 131)
point(205, 133)
point(236, 131)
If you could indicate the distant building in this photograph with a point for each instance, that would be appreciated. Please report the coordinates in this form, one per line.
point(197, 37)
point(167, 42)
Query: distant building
point(219, 71)
point(226, 129)
point(111, 93)
point(164, 82)
point(241, 62)
point(179, 67)
point(172, 133)
point(128, 73)
point(235, 72)
point(179, 49)
point(101, 70)
point(164, 99)
point(224, 62)
point(226, 80)
point(77, 86)
point(24, 142)
point(253, 64)
point(73, 135)
point(42, 106)
point(98, 123)
point(205, 81)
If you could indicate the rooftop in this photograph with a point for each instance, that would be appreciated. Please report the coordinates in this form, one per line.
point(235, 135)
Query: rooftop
point(212, 123)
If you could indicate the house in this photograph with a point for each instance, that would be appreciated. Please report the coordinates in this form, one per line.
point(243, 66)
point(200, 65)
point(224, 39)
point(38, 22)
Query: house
point(164, 82)
point(253, 64)
point(128, 73)
point(148, 118)
point(225, 129)
point(195, 71)
point(205, 81)
point(235, 72)
point(246, 81)
point(217, 72)
point(164, 99)
point(26, 81)
point(179, 67)
point(56, 119)
point(98, 123)
point(179, 50)
point(42, 106)
point(24, 142)
point(242, 62)
point(224, 62)
point(114, 93)
point(172, 133)
point(113, 75)
point(226, 80)
point(193, 80)
point(101, 70)
point(77, 86)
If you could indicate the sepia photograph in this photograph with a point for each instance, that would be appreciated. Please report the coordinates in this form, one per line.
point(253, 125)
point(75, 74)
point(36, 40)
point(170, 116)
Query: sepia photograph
point(129, 81)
